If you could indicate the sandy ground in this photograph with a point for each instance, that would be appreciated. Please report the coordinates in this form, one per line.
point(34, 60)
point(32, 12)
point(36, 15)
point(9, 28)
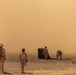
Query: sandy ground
point(42, 67)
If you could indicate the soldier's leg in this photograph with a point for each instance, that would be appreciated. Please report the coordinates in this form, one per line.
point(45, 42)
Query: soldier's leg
point(57, 56)
point(2, 66)
point(45, 56)
point(61, 57)
point(22, 67)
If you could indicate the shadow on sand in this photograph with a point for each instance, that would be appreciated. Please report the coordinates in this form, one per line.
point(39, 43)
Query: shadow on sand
point(7, 73)
point(57, 59)
point(27, 73)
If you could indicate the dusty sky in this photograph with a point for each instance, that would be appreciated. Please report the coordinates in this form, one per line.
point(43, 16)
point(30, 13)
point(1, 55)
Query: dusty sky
point(31, 24)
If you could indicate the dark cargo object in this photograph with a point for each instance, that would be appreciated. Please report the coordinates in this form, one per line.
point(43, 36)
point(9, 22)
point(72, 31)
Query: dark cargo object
point(40, 53)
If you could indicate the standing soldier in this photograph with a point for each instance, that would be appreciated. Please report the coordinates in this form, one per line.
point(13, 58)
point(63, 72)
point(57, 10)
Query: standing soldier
point(23, 60)
point(45, 52)
point(2, 57)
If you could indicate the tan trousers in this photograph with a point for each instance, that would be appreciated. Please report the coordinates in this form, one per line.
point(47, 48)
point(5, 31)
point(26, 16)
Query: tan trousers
point(46, 55)
point(23, 62)
point(1, 65)
point(59, 56)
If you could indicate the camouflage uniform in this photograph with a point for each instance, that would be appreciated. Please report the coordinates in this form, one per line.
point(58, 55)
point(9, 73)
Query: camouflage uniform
point(23, 60)
point(59, 54)
point(2, 57)
point(45, 52)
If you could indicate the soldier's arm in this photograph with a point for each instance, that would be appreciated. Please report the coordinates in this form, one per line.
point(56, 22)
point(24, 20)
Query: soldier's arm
point(19, 58)
point(26, 57)
point(43, 51)
point(4, 54)
point(47, 51)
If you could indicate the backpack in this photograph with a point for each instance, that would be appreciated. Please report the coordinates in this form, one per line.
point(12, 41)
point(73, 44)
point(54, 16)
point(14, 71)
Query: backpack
point(23, 57)
point(59, 52)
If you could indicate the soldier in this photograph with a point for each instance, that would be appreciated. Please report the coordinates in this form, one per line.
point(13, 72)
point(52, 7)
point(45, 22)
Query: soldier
point(59, 54)
point(23, 60)
point(2, 57)
point(45, 52)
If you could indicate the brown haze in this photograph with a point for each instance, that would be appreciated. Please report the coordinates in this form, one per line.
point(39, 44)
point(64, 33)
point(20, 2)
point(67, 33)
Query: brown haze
point(32, 24)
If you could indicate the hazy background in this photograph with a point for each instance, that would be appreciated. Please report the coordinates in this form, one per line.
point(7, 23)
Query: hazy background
point(31, 24)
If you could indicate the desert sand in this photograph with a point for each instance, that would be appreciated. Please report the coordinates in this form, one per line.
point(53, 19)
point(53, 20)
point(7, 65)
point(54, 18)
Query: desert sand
point(42, 67)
